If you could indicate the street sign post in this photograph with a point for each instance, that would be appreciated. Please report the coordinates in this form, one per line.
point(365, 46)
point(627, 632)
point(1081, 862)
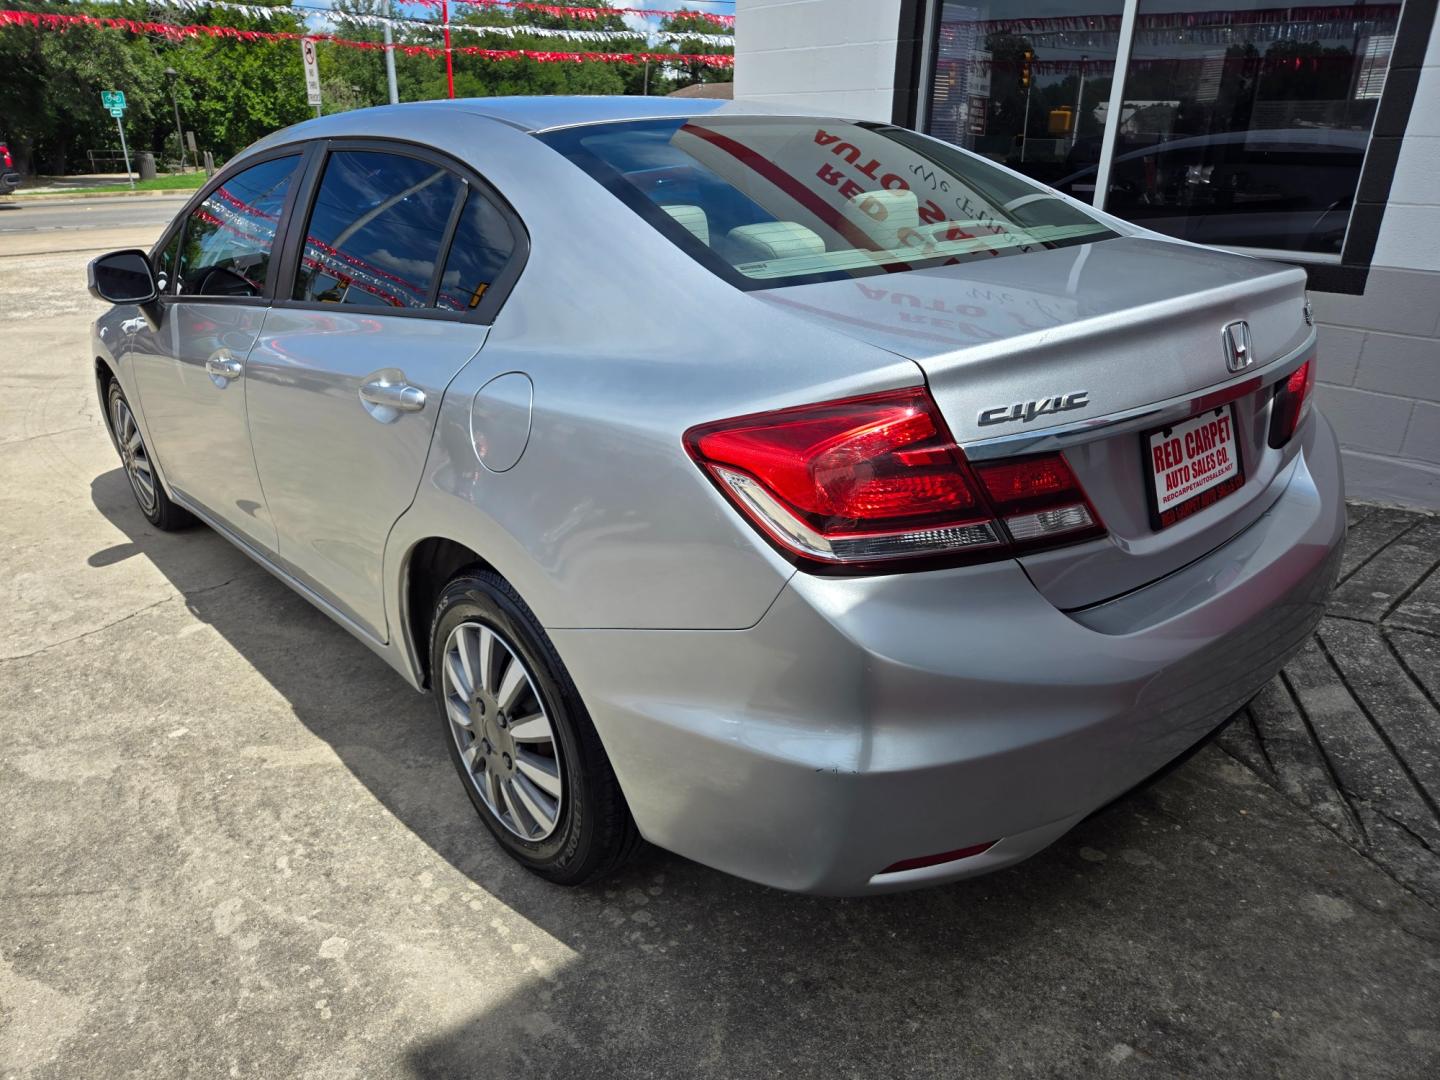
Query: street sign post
point(114, 103)
point(312, 73)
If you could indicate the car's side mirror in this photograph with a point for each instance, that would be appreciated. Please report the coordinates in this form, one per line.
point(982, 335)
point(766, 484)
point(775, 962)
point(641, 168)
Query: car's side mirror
point(122, 277)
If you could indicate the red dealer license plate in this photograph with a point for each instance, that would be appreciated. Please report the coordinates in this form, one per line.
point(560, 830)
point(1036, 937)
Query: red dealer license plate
point(1192, 465)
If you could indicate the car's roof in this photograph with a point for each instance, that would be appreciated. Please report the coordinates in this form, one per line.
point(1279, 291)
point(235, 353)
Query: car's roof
point(532, 114)
point(542, 113)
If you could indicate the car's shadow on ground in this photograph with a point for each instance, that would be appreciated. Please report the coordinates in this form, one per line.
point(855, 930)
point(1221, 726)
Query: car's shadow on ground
point(664, 937)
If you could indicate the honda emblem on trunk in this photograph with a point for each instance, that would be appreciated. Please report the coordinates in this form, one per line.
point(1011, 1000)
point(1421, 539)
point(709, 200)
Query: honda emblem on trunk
point(1238, 355)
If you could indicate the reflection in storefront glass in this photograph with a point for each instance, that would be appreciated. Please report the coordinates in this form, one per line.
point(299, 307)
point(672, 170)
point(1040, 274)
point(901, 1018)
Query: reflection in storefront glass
point(1243, 126)
point(1247, 125)
point(1025, 82)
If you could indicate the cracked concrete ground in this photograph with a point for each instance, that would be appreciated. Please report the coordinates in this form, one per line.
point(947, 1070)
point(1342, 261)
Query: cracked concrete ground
point(232, 845)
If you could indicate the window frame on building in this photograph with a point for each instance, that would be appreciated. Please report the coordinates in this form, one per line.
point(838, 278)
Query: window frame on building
point(918, 56)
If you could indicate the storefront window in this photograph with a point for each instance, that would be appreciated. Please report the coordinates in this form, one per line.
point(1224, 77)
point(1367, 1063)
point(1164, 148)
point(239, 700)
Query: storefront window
point(1247, 126)
point(1025, 82)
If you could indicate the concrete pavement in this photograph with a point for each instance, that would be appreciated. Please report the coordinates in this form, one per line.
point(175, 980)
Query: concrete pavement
point(233, 845)
point(48, 227)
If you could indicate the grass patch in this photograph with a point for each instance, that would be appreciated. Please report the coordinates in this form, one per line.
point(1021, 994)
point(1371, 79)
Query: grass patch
point(176, 182)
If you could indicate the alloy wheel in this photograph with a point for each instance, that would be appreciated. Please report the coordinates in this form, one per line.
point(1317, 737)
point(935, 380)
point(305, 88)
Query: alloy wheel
point(133, 454)
point(502, 731)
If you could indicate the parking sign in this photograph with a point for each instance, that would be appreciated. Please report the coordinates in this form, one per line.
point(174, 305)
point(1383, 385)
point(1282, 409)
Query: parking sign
point(312, 71)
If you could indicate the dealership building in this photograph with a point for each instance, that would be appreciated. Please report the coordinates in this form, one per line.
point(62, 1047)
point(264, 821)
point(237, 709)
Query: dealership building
point(1307, 134)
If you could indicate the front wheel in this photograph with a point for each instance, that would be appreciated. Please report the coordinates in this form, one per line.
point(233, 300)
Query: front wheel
point(526, 750)
point(139, 468)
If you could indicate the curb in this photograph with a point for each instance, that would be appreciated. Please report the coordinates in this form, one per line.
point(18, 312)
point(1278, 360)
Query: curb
point(56, 196)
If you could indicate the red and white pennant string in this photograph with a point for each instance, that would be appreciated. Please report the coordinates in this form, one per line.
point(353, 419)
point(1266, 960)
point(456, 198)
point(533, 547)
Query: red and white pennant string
point(509, 30)
point(170, 31)
point(581, 12)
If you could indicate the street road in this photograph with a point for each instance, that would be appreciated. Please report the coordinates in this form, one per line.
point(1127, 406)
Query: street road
point(46, 215)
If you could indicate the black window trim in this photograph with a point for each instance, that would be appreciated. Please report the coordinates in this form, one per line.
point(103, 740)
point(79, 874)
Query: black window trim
point(495, 296)
point(442, 258)
point(297, 150)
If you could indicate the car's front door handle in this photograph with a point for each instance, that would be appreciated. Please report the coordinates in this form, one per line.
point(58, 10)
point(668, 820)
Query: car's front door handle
point(223, 367)
point(402, 397)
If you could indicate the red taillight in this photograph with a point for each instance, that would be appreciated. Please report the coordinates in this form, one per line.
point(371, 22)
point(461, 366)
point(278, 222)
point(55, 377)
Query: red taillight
point(878, 478)
point(1292, 401)
point(5, 156)
point(1039, 499)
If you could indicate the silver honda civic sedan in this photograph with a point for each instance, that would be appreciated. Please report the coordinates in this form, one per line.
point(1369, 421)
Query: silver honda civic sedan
point(805, 496)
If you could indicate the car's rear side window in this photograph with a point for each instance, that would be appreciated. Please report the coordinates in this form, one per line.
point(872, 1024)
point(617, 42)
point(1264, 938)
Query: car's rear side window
point(375, 230)
point(482, 246)
point(769, 201)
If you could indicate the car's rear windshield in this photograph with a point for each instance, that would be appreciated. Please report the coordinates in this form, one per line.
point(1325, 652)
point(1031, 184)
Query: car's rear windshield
point(770, 201)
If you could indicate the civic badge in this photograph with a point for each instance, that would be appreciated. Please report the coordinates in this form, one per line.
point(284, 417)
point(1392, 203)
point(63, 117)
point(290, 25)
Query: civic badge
point(1238, 354)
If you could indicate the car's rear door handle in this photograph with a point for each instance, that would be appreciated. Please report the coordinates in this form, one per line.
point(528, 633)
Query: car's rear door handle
point(402, 397)
point(223, 367)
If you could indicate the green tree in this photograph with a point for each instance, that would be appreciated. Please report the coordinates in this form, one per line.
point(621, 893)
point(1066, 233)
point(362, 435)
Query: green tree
point(231, 92)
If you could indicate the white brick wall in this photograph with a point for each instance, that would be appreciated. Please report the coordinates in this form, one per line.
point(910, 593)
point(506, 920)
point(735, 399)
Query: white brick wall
point(833, 55)
point(1380, 353)
point(1410, 233)
point(1380, 382)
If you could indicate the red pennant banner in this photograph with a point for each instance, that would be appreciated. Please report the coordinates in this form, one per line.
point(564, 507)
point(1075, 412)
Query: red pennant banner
point(172, 32)
point(590, 13)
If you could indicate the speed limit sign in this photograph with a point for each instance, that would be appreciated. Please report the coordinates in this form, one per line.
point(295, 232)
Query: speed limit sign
point(312, 71)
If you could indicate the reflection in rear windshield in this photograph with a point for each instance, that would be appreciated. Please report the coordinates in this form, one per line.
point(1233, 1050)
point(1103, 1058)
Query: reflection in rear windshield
point(777, 201)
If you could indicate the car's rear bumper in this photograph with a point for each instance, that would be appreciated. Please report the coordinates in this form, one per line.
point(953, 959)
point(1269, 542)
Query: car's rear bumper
point(869, 720)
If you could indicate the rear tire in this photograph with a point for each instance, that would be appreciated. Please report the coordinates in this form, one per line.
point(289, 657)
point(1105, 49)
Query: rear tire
point(520, 738)
point(139, 467)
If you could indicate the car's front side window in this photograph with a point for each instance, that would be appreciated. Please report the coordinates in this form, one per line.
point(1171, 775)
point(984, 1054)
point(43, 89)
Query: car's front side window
point(164, 261)
point(375, 231)
point(230, 237)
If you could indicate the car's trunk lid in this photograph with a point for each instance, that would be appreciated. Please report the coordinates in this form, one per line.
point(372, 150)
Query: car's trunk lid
point(1015, 346)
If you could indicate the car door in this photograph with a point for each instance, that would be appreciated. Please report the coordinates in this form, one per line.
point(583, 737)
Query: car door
point(382, 310)
point(189, 358)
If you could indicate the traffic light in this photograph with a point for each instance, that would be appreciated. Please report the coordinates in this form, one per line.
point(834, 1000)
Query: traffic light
point(1028, 55)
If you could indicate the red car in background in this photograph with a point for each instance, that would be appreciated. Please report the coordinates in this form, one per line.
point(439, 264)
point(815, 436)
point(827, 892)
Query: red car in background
point(9, 178)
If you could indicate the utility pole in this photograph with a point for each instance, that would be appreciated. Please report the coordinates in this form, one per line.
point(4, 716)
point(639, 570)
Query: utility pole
point(449, 65)
point(171, 74)
point(390, 56)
